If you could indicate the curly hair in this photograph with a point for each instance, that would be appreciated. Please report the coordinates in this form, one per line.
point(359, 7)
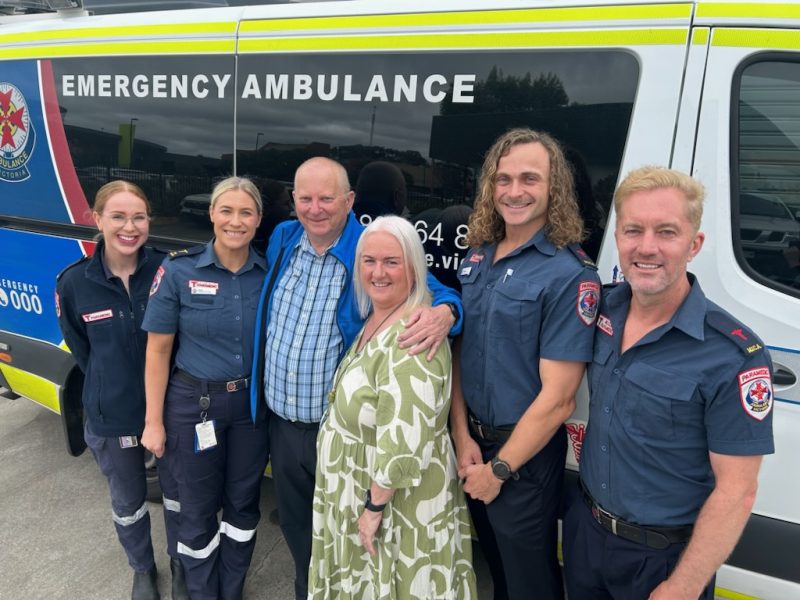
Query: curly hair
point(564, 222)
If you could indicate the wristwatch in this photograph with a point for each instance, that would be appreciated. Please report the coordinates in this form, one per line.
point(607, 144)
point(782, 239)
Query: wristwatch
point(378, 508)
point(502, 470)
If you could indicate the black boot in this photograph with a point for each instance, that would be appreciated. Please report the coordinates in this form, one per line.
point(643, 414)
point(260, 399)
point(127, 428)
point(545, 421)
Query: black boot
point(145, 585)
point(179, 591)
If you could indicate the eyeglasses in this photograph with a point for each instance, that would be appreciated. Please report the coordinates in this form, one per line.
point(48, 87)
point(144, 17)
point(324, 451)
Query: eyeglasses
point(121, 220)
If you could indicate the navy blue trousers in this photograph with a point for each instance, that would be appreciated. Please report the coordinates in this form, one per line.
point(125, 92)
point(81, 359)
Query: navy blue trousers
point(599, 565)
point(215, 554)
point(125, 472)
point(518, 530)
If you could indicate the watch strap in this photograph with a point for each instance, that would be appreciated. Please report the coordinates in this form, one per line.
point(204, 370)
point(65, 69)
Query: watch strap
point(378, 508)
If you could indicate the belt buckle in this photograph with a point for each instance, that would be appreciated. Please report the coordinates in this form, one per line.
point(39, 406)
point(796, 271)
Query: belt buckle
point(231, 386)
point(598, 514)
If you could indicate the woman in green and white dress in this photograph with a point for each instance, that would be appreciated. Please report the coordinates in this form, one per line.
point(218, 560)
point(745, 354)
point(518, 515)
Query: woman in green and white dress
point(390, 519)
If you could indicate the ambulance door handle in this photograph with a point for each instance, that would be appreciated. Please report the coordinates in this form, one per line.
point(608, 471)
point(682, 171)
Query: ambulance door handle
point(783, 376)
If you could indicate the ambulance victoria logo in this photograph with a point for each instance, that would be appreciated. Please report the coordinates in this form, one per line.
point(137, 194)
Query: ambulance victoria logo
point(755, 389)
point(16, 134)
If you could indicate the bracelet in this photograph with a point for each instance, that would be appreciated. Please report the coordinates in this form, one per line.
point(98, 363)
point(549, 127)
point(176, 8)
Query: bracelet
point(453, 309)
point(378, 508)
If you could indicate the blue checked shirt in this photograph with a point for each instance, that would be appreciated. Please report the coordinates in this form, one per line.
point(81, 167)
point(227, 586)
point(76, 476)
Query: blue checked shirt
point(303, 343)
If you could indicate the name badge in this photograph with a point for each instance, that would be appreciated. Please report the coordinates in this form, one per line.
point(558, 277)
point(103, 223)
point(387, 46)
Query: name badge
point(204, 436)
point(128, 441)
point(204, 288)
point(97, 316)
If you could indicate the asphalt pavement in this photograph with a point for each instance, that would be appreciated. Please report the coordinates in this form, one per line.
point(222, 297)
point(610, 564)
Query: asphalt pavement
point(57, 540)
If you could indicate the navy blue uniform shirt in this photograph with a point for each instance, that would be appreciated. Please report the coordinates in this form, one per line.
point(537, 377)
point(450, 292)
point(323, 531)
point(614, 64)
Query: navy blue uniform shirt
point(539, 301)
point(212, 311)
point(101, 324)
point(699, 383)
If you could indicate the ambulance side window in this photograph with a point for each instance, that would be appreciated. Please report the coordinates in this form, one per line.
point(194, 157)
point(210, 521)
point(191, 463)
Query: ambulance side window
point(166, 125)
point(766, 171)
point(412, 129)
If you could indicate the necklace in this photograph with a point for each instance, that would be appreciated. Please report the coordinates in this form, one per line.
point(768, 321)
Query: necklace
point(359, 347)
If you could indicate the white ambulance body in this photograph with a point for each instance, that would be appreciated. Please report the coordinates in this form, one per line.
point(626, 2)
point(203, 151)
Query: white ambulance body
point(172, 100)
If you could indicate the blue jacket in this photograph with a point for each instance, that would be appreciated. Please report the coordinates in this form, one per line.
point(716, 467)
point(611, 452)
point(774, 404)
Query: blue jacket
point(285, 237)
point(102, 325)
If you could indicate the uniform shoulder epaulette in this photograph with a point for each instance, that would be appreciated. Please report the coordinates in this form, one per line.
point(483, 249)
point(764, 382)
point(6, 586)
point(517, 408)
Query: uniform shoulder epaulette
point(185, 252)
point(82, 259)
point(747, 341)
point(582, 257)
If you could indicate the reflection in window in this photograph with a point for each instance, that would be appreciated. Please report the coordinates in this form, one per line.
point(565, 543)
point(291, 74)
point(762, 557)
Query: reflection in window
point(767, 226)
point(412, 128)
point(166, 125)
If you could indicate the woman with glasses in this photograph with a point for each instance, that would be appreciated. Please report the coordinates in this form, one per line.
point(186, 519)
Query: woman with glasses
point(100, 302)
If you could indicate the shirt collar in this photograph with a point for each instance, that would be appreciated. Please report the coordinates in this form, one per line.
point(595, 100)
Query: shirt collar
point(539, 241)
point(305, 244)
point(100, 251)
point(209, 257)
point(690, 316)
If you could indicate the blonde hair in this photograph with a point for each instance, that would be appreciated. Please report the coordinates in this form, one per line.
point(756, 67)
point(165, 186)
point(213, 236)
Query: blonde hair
point(653, 177)
point(413, 256)
point(564, 222)
point(237, 183)
point(115, 187)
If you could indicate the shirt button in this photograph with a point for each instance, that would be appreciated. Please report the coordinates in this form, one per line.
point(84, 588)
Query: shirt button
point(488, 286)
point(233, 277)
point(236, 296)
point(238, 318)
point(603, 485)
point(290, 375)
point(237, 356)
point(616, 371)
point(605, 408)
point(235, 339)
point(290, 399)
point(603, 447)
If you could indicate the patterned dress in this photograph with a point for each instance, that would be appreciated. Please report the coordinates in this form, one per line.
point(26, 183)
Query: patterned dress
point(388, 423)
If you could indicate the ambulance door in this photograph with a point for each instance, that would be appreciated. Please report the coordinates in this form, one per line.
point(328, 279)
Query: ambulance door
point(747, 154)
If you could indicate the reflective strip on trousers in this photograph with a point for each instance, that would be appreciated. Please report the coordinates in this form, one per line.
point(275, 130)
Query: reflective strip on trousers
point(239, 535)
point(201, 554)
point(170, 504)
point(126, 521)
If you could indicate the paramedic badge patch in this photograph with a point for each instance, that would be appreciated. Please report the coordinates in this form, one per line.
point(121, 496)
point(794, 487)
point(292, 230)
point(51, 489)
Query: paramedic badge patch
point(17, 136)
point(588, 301)
point(755, 390)
point(157, 280)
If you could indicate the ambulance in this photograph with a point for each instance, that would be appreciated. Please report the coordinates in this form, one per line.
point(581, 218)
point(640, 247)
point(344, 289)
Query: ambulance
point(415, 91)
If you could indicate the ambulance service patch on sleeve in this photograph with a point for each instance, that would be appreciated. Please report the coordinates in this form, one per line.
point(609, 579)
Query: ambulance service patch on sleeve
point(588, 301)
point(755, 390)
point(157, 280)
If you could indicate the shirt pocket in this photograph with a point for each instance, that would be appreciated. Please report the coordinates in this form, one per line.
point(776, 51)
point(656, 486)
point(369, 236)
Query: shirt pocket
point(655, 401)
point(516, 311)
point(602, 352)
point(201, 314)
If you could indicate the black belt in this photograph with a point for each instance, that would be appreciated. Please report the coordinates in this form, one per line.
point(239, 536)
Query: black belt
point(214, 386)
point(298, 424)
point(657, 538)
point(490, 434)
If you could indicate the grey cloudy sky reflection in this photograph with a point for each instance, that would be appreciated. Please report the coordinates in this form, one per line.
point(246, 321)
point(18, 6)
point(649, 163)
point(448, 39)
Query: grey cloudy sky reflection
point(204, 126)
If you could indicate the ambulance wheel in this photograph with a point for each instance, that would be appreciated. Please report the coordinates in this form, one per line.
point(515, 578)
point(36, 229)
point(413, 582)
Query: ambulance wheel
point(151, 474)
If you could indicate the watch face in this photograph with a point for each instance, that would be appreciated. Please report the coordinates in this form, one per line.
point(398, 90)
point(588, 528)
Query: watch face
point(501, 469)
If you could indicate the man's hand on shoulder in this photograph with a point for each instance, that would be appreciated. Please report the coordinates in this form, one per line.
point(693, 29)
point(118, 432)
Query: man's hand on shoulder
point(426, 329)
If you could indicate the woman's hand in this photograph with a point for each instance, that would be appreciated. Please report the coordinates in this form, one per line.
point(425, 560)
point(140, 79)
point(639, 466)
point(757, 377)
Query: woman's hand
point(154, 438)
point(368, 524)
